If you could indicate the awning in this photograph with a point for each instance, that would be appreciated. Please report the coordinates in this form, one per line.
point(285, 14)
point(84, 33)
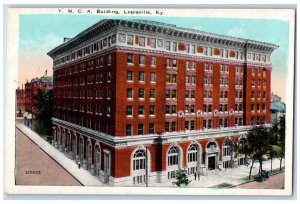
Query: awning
point(25, 114)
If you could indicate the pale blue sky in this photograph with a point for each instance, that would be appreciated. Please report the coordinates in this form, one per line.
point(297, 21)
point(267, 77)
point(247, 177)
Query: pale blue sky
point(41, 33)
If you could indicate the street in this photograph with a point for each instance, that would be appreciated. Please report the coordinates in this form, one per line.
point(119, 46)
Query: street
point(274, 182)
point(35, 167)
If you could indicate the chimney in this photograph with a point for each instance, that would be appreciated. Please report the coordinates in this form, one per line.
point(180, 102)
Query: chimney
point(66, 39)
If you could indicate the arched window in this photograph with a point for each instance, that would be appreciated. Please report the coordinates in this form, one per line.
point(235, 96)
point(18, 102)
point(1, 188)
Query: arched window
point(139, 160)
point(193, 153)
point(173, 162)
point(139, 167)
point(211, 144)
point(173, 156)
point(193, 159)
point(227, 148)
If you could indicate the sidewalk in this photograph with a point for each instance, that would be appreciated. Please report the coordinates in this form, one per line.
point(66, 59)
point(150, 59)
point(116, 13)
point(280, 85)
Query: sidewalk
point(230, 176)
point(82, 175)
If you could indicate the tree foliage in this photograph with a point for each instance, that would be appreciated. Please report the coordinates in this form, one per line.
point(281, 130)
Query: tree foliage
point(43, 103)
point(181, 179)
point(278, 130)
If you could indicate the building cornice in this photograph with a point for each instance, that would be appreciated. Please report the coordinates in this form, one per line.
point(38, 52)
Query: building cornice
point(164, 54)
point(161, 28)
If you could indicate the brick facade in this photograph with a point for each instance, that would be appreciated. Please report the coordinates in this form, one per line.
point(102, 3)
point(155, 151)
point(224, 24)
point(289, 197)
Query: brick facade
point(146, 107)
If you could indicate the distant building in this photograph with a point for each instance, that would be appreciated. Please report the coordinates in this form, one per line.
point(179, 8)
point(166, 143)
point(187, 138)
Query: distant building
point(20, 101)
point(135, 101)
point(277, 107)
point(45, 82)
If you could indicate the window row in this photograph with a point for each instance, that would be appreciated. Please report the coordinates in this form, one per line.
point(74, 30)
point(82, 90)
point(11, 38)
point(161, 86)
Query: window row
point(258, 83)
point(258, 107)
point(141, 93)
point(141, 77)
point(141, 110)
point(140, 129)
point(87, 50)
point(142, 60)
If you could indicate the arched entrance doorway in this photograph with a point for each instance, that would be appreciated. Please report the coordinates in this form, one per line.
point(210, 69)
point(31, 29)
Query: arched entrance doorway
point(212, 156)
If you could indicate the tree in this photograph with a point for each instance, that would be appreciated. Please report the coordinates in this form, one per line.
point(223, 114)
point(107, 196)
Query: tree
point(255, 146)
point(244, 148)
point(182, 179)
point(43, 103)
point(258, 139)
point(281, 138)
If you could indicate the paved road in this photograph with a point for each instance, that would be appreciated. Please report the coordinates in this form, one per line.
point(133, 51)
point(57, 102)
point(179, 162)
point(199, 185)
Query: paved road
point(274, 182)
point(35, 167)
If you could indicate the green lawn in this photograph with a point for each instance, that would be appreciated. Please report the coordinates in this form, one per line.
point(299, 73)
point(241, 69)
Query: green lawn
point(222, 185)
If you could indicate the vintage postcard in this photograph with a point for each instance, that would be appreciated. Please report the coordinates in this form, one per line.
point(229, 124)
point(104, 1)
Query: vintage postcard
point(149, 101)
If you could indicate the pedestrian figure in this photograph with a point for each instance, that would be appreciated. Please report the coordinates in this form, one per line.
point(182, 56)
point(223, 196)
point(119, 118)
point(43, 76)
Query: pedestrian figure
point(198, 175)
point(78, 164)
point(195, 176)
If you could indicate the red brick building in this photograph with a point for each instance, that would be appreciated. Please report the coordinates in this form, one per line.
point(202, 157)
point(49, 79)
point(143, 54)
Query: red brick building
point(20, 101)
point(45, 82)
point(135, 101)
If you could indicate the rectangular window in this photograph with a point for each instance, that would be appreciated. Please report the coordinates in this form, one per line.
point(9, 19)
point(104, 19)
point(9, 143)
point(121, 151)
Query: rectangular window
point(129, 111)
point(167, 110)
point(108, 77)
point(174, 109)
point(188, 47)
point(151, 128)
point(174, 93)
point(109, 60)
point(142, 76)
point(129, 76)
point(130, 58)
point(142, 41)
point(153, 61)
point(152, 110)
point(128, 130)
point(187, 124)
point(141, 93)
point(152, 77)
point(193, 49)
point(140, 129)
point(187, 79)
point(130, 93)
point(174, 46)
point(129, 39)
point(173, 126)
point(153, 42)
point(152, 93)
point(142, 60)
point(167, 127)
point(141, 110)
point(192, 94)
point(168, 45)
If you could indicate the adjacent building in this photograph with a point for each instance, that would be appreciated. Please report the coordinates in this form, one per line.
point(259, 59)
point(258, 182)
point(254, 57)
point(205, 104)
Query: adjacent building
point(135, 101)
point(20, 101)
point(31, 88)
point(277, 107)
